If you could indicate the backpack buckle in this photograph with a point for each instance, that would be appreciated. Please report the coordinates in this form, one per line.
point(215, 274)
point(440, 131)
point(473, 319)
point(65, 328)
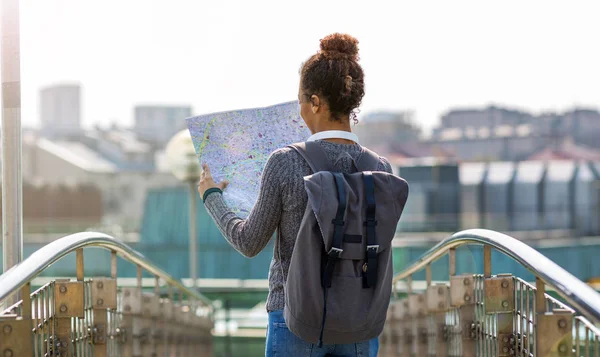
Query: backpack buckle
point(373, 248)
point(335, 252)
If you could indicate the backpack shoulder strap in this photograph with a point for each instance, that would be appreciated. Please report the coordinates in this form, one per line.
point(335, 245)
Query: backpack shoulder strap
point(314, 155)
point(370, 275)
point(368, 160)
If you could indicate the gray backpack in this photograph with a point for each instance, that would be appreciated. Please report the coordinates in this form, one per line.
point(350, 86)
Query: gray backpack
point(340, 276)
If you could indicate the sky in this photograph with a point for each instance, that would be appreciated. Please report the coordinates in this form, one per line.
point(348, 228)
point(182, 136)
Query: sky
point(423, 56)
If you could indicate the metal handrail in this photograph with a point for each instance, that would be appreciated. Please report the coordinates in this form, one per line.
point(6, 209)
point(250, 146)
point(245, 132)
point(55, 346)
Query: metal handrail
point(576, 293)
point(19, 275)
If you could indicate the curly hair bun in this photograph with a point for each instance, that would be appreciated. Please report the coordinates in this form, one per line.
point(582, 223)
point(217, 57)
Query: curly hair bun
point(340, 46)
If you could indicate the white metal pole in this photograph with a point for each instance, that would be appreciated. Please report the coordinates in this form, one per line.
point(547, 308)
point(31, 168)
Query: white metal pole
point(12, 209)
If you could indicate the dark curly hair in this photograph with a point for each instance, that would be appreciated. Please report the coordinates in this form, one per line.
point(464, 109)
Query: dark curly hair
point(335, 75)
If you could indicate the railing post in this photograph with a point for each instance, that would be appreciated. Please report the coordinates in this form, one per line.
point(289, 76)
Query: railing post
point(26, 303)
point(68, 304)
point(12, 180)
point(16, 336)
point(540, 296)
point(452, 261)
point(409, 335)
point(113, 264)
point(417, 304)
point(554, 335)
point(104, 300)
point(156, 329)
point(79, 264)
point(428, 275)
point(390, 336)
point(487, 261)
point(166, 311)
point(132, 308)
point(500, 301)
point(438, 303)
point(462, 296)
point(180, 330)
point(133, 311)
point(403, 332)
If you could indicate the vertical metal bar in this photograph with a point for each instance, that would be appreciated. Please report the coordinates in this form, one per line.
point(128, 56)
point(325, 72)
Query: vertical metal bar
point(169, 334)
point(79, 264)
point(51, 310)
point(540, 296)
point(35, 317)
point(482, 317)
point(181, 347)
point(409, 285)
point(452, 260)
point(75, 326)
point(113, 264)
point(39, 322)
point(487, 261)
point(26, 303)
point(78, 327)
point(534, 319)
point(90, 321)
point(84, 336)
point(577, 340)
point(74, 333)
point(155, 321)
point(428, 274)
point(12, 181)
point(518, 312)
point(587, 342)
point(193, 238)
point(522, 315)
point(139, 276)
point(47, 318)
point(42, 321)
point(79, 334)
point(529, 318)
point(479, 316)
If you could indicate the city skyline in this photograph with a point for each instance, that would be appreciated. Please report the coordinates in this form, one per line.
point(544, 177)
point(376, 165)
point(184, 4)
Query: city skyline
point(427, 60)
point(366, 117)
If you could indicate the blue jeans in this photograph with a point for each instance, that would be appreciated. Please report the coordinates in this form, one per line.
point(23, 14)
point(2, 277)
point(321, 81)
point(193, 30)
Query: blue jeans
point(281, 342)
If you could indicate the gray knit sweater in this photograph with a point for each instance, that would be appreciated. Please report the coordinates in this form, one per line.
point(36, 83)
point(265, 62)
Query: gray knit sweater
point(280, 206)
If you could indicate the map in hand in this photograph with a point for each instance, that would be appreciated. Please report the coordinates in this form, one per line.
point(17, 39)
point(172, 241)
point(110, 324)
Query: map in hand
point(237, 144)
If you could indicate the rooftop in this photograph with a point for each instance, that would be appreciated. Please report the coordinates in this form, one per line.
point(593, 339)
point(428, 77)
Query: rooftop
point(567, 151)
point(78, 154)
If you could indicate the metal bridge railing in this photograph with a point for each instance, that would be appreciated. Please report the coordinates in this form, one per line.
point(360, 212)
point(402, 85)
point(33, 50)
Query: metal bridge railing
point(492, 315)
point(95, 317)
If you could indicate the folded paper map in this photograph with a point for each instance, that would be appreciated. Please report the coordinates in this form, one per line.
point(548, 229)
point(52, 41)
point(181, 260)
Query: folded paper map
point(236, 145)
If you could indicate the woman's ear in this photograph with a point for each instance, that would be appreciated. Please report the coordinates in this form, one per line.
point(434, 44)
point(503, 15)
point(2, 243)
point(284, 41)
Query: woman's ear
point(316, 103)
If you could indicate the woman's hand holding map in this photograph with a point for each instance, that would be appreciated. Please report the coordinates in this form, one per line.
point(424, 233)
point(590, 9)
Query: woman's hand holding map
point(207, 182)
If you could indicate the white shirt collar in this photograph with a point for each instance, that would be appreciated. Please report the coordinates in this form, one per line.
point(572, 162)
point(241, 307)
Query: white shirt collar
point(334, 134)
